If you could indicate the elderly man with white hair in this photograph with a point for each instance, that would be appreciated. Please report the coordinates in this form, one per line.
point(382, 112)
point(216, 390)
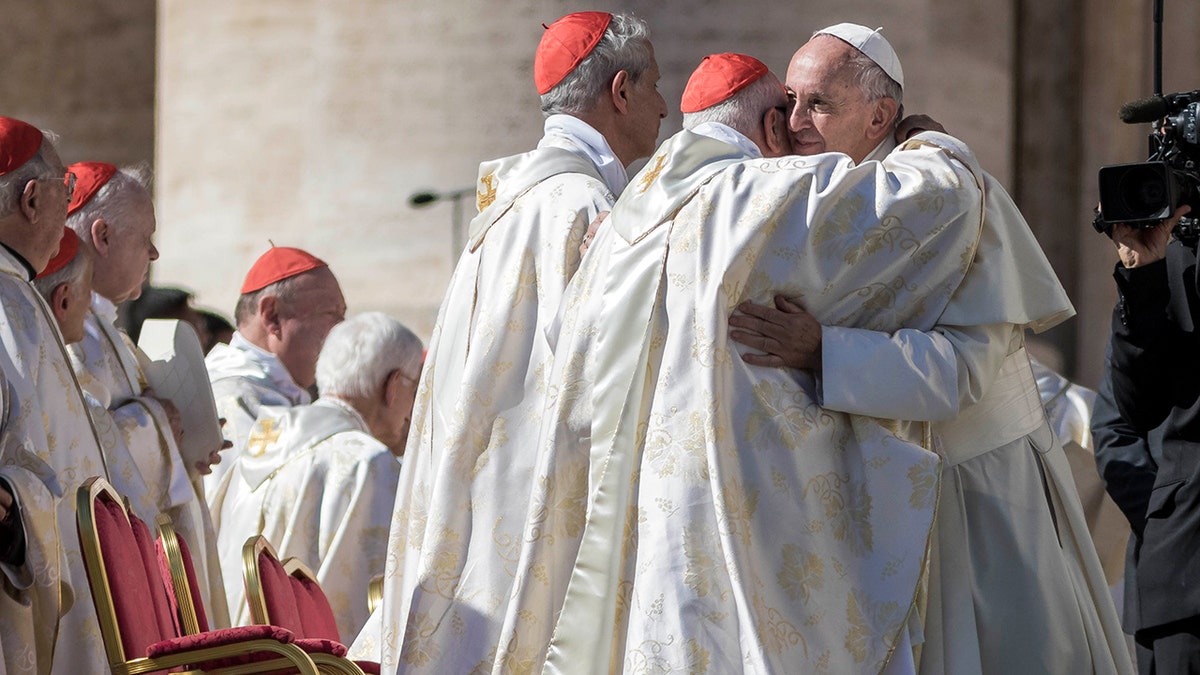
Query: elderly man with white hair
point(461, 503)
point(48, 444)
point(697, 514)
point(1015, 585)
point(112, 214)
point(322, 488)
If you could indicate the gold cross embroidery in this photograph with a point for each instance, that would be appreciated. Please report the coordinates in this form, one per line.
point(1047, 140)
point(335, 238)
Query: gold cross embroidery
point(485, 198)
point(651, 175)
point(263, 435)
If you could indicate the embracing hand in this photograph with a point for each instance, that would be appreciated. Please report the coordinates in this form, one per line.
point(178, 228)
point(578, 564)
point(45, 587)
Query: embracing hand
point(789, 335)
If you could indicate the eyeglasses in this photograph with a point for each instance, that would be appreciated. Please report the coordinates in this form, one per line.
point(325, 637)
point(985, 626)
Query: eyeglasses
point(68, 182)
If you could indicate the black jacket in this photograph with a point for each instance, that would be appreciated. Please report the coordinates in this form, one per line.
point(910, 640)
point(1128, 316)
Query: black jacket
point(1155, 380)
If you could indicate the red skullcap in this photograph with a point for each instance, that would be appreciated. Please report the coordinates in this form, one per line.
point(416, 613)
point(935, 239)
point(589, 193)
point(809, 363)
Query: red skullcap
point(277, 264)
point(19, 142)
point(719, 77)
point(68, 246)
point(565, 44)
point(89, 178)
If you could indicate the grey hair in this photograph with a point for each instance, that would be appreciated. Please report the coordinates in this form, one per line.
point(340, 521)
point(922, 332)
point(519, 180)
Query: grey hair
point(247, 304)
point(744, 110)
point(71, 273)
point(12, 184)
point(625, 46)
point(361, 351)
point(112, 201)
point(872, 80)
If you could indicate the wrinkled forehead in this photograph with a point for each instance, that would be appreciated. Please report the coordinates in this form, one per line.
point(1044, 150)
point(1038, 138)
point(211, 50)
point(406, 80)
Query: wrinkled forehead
point(822, 61)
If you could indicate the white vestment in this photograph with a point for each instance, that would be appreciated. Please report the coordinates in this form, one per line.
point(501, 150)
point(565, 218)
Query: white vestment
point(157, 480)
point(1015, 584)
point(48, 435)
point(1069, 408)
point(461, 504)
point(320, 488)
point(244, 377)
point(33, 596)
point(693, 513)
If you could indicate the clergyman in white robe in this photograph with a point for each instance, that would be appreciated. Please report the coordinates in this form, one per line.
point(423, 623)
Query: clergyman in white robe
point(48, 434)
point(1008, 494)
point(244, 378)
point(464, 490)
point(319, 487)
point(109, 367)
point(694, 513)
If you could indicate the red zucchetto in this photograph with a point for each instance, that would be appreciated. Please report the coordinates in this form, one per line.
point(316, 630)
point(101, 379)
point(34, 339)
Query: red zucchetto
point(19, 142)
point(89, 178)
point(718, 77)
point(68, 246)
point(565, 44)
point(277, 264)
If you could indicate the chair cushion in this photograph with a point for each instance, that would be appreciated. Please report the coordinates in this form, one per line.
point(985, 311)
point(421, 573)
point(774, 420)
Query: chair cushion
point(315, 612)
point(222, 637)
point(128, 583)
point(278, 595)
point(368, 667)
point(321, 646)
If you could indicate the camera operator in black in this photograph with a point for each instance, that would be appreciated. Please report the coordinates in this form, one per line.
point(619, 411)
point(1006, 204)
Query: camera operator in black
point(1155, 379)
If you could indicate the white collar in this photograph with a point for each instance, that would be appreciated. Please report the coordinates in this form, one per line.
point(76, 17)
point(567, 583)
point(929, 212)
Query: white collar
point(272, 368)
point(571, 133)
point(727, 134)
point(344, 406)
point(882, 150)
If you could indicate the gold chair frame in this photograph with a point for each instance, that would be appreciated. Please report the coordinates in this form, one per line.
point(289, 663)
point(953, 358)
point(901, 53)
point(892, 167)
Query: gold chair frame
point(119, 663)
point(257, 601)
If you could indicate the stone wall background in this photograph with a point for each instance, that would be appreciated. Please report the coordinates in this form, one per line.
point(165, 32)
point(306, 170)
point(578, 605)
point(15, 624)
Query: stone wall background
point(311, 122)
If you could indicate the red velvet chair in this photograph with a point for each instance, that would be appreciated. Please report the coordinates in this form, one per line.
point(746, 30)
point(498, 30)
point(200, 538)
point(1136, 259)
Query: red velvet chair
point(272, 601)
point(133, 612)
point(315, 611)
point(178, 573)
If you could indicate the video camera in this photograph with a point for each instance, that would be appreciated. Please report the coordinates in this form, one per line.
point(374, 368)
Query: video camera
point(1144, 193)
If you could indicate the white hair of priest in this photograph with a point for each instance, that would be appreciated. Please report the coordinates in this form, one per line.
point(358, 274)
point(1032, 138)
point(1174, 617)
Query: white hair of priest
point(361, 352)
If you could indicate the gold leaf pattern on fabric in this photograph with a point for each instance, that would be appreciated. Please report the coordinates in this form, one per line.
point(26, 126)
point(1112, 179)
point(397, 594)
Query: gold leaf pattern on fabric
point(890, 234)
point(867, 619)
point(839, 223)
point(778, 634)
point(441, 575)
point(700, 561)
point(737, 508)
point(848, 508)
point(516, 659)
point(774, 402)
point(801, 574)
point(419, 650)
point(698, 658)
point(924, 479)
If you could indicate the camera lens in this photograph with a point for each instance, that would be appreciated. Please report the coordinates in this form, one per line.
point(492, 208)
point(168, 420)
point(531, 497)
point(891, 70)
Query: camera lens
point(1143, 192)
point(1133, 193)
